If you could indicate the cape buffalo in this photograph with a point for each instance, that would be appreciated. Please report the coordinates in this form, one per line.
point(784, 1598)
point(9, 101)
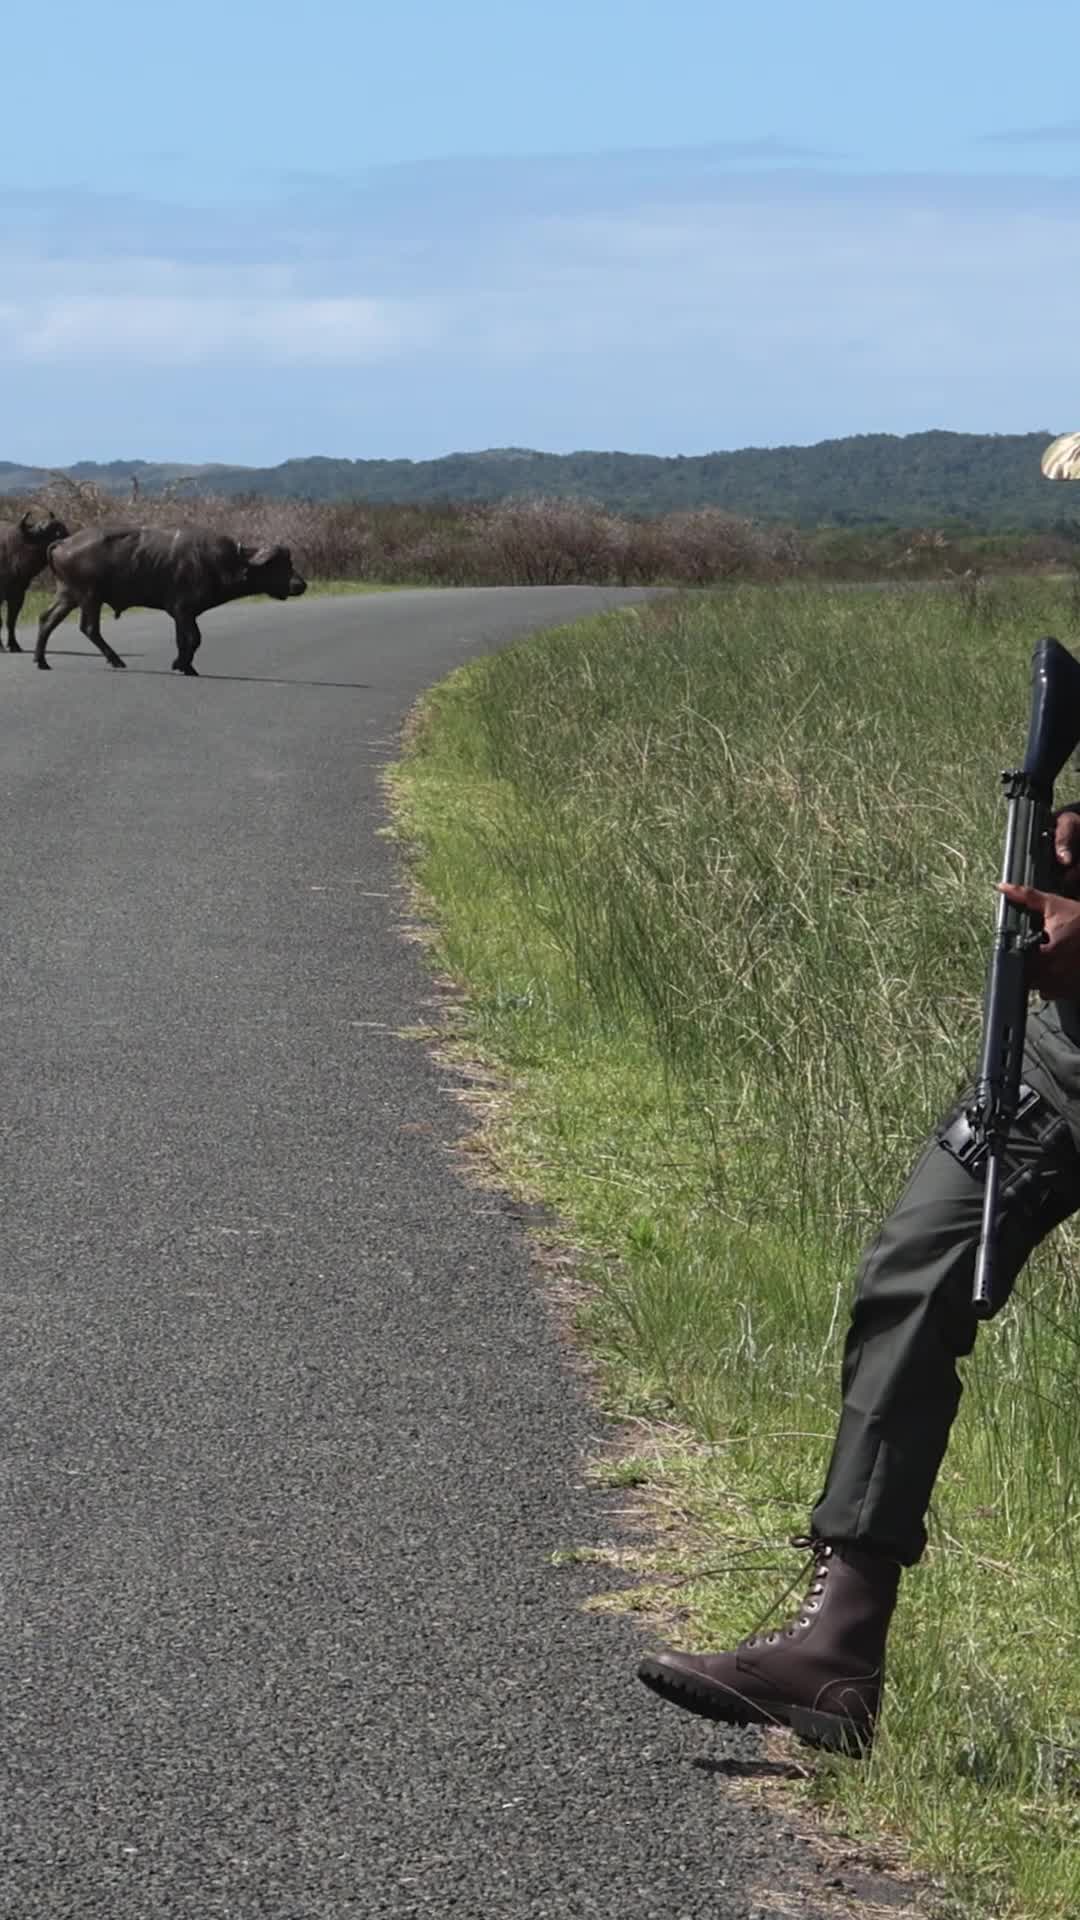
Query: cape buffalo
point(183, 571)
point(24, 548)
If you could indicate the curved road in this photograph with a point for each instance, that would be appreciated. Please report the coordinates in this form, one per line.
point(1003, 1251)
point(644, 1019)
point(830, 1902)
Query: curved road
point(287, 1434)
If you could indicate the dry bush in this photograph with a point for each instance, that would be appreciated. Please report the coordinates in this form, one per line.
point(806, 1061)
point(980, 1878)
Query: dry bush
point(541, 542)
point(550, 542)
point(706, 545)
point(511, 543)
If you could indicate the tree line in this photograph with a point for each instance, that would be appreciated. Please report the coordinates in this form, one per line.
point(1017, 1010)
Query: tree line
point(990, 482)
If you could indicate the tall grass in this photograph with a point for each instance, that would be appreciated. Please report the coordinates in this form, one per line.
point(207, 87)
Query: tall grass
point(719, 876)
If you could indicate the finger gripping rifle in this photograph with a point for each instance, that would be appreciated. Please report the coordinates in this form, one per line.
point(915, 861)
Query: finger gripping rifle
point(1053, 734)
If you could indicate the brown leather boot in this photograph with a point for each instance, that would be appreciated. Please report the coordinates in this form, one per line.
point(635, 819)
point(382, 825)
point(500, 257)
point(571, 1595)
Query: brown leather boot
point(819, 1673)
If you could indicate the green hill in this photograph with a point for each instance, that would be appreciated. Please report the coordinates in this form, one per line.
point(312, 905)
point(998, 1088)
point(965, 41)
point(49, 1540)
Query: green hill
point(866, 480)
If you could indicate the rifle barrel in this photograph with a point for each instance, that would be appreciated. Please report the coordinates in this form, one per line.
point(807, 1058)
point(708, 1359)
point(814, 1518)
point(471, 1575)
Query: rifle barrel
point(982, 1295)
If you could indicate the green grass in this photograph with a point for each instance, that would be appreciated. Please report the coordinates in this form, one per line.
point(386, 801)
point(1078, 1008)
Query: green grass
point(717, 874)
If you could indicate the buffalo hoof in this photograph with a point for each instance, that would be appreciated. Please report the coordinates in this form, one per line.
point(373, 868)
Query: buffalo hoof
point(44, 665)
point(116, 661)
point(13, 646)
point(190, 673)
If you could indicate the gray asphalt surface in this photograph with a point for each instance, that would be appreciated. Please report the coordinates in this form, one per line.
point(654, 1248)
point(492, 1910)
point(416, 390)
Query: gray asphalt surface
point(286, 1430)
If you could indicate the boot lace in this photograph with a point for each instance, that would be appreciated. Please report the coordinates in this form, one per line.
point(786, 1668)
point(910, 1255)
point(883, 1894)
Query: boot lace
point(818, 1568)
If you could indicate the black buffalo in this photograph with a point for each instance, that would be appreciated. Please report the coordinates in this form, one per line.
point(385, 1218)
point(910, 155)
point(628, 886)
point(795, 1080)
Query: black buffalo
point(183, 571)
point(24, 546)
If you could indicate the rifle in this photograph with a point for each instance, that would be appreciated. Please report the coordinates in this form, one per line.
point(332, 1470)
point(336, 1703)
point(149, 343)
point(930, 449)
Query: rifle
point(1053, 734)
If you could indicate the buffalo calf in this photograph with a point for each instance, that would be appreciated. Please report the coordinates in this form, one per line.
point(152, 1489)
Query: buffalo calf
point(24, 549)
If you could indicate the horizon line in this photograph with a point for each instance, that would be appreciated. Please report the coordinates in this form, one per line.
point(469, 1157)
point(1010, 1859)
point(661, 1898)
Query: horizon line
point(192, 467)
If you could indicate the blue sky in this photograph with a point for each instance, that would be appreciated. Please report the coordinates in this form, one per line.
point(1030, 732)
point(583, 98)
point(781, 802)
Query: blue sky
point(232, 232)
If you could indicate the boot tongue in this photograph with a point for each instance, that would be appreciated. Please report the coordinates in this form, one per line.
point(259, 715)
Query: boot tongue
point(822, 1553)
point(819, 1549)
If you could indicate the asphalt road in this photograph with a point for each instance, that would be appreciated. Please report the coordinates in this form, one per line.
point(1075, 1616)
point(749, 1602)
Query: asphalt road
point(287, 1435)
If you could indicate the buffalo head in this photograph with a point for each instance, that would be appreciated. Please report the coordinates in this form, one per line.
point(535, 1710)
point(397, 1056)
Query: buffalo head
point(42, 533)
point(270, 570)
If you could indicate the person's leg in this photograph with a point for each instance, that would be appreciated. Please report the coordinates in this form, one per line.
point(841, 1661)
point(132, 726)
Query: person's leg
point(821, 1673)
point(912, 1321)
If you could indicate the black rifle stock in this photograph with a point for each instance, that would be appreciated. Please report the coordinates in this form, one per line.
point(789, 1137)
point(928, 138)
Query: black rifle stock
point(1053, 734)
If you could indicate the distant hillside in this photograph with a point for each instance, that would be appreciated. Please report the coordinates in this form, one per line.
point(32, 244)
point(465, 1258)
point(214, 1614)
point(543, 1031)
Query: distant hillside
point(866, 480)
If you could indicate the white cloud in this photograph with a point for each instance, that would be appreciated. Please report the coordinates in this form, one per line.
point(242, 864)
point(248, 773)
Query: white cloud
point(904, 289)
point(1067, 133)
point(908, 284)
point(164, 316)
point(753, 305)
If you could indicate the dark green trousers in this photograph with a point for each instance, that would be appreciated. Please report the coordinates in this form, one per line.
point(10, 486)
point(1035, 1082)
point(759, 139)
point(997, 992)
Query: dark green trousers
point(912, 1320)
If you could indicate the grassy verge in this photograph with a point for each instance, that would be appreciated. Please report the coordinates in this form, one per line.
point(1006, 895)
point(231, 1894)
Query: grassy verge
point(716, 874)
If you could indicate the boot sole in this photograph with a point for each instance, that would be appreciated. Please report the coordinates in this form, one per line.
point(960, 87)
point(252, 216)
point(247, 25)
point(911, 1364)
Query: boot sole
point(829, 1732)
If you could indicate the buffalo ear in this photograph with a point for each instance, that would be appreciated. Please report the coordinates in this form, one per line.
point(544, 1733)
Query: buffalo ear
point(27, 523)
point(257, 556)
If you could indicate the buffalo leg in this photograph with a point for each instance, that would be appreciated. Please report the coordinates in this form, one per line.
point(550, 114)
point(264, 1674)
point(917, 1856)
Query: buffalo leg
point(188, 639)
point(50, 620)
point(14, 608)
point(90, 627)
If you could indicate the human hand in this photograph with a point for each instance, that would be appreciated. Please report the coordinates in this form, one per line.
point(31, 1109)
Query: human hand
point(1067, 851)
point(1053, 966)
